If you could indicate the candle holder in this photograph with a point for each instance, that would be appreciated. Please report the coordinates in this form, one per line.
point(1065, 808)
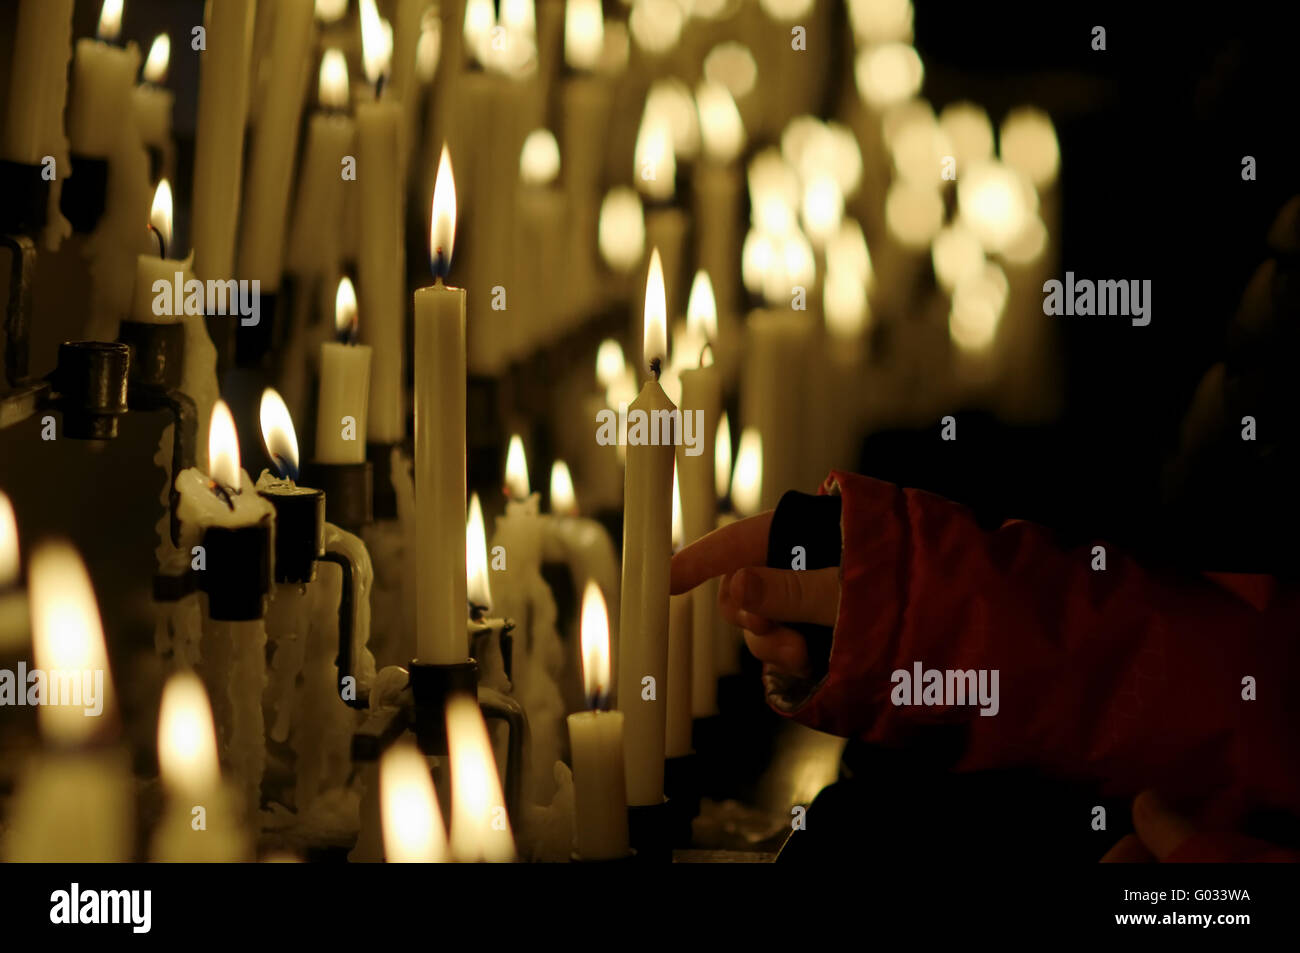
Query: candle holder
point(90, 387)
point(431, 686)
point(24, 393)
point(27, 195)
point(348, 491)
point(238, 574)
point(649, 831)
point(253, 343)
point(380, 458)
point(300, 534)
point(85, 192)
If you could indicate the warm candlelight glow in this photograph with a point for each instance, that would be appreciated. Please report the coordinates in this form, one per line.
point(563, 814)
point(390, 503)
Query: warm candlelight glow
point(656, 164)
point(539, 160)
point(654, 342)
point(1026, 247)
point(110, 21)
point(888, 73)
point(877, 21)
point(480, 827)
point(747, 480)
point(656, 25)
point(822, 208)
point(9, 561)
point(847, 252)
point(187, 741)
point(564, 501)
point(968, 128)
point(67, 638)
point(375, 44)
point(732, 65)
point(1027, 141)
point(278, 433)
point(442, 224)
point(995, 202)
point(332, 86)
point(480, 18)
point(722, 458)
point(428, 50)
point(160, 213)
point(670, 99)
point(160, 53)
point(412, 821)
point(517, 487)
point(327, 11)
point(594, 635)
point(786, 9)
point(956, 254)
point(584, 33)
point(844, 301)
point(223, 448)
point(345, 308)
point(702, 308)
point(609, 362)
point(721, 129)
point(677, 534)
point(479, 589)
point(919, 146)
point(977, 305)
point(621, 232)
point(914, 213)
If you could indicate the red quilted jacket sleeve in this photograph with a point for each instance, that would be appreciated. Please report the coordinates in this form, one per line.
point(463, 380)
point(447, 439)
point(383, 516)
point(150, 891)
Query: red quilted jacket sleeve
point(1126, 676)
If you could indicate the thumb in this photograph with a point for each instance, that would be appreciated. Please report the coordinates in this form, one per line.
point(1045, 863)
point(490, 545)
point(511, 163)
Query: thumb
point(789, 595)
point(1161, 829)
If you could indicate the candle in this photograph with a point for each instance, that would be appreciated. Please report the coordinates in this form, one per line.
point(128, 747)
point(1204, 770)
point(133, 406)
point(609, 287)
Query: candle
point(274, 144)
point(150, 268)
point(773, 396)
point(219, 137)
point(102, 77)
point(198, 825)
point(680, 651)
point(746, 490)
point(33, 117)
point(596, 744)
point(381, 254)
point(480, 826)
point(538, 256)
point(718, 192)
point(412, 820)
point(440, 388)
point(520, 529)
point(153, 103)
point(665, 224)
point(647, 553)
point(582, 544)
point(13, 601)
point(344, 387)
point(73, 804)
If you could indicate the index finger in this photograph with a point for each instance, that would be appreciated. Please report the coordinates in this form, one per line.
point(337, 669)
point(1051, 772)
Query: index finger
point(731, 547)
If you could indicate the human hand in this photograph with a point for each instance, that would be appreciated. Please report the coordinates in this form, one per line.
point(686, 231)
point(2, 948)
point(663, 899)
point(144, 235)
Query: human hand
point(1163, 834)
point(758, 599)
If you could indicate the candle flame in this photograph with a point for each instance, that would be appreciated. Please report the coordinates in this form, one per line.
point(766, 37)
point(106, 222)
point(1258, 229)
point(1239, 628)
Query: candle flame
point(375, 43)
point(110, 21)
point(747, 481)
point(412, 820)
point(480, 827)
point(621, 230)
point(656, 163)
point(594, 635)
point(584, 33)
point(480, 18)
point(327, 11)
point(160, 54)
point(187, 741)
point(429, 48)
point(278, 433)
point(564, 502)
point(160, 213)
point(9, 561)
point(722, 457)
point(479, 589)
point(609, 362)
point(332, 86)
point(539, 160)
point(442, 225)
point(345, 308)
point(654, 344)
point(722, 131)
point(67, 637)
point(678, 533)
point(702, 308)
point(517, 487)
point(223, 448)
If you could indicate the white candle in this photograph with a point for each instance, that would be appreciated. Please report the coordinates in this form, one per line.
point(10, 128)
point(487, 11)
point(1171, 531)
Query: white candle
point(519, 530)
point(152, 102)
point(582, 544)
point(538, 256)
point(666, 225)
point(412, 820)
point(33, 115)
point(773, 396)
point(150, 267)
point(596, 745)
point(680, 639)
point(440, 443)
point(102, 77)
point(718, 192)
point(344, 387)
point(480, 826)
point(647, 554)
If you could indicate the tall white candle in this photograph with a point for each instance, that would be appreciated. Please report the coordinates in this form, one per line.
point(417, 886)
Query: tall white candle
point(680, 639)
point(33, 113)
point(152, 101)
point(440, 443)
point(102, 77)
point(344, 387)
point(647, 553)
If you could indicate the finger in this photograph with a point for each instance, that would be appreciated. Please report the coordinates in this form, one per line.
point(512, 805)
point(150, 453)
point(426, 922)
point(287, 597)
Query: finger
point(809, 595)
point(737, 616)
point(742, 543)
point(1129, 850)
point(1162, 830)
point(783, 649)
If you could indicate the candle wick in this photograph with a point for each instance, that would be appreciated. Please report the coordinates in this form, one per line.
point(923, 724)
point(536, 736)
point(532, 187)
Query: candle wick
point(477, 612)
point(441, 265)
point(379, 86)
point(162, 244)
point(224, 493)
point(655, 366)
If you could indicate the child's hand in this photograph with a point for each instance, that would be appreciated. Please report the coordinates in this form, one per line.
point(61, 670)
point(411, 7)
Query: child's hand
point(755, 597)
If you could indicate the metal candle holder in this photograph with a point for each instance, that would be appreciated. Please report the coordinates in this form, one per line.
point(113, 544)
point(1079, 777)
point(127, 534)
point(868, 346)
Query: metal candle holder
point(348, 488)
point(299, 530)
point(85, 192)
point(238, 574)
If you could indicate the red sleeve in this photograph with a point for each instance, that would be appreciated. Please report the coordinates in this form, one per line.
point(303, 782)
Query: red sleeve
point(1125, 676)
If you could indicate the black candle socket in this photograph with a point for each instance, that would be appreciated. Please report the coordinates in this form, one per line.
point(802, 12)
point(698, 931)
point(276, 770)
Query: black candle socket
point(299, 530)
point(85, 192)
point(380, 456)
point(237, 573)
point(348, 491)
point(649, 831)
point(90, 384)
point(157, 357)
point(431, 686)
point(27, 198)
point(254, 342)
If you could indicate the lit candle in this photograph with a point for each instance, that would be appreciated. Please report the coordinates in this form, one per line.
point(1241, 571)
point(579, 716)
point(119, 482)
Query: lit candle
point(596, 744)
point(718, 192)
point(73, 804)
point(344, 386)
point(582, 544)
point(412, 820)
point(381, 259)
point(538, 256)
point(33, 117)
point(198, 825)
point(102, 77)
point(440, 442)
point(647, 554)
point(159, 267)
point(680, 651)
point(520, 529)
point(480, 826)
point(774, 392)
point(153, 102)
point(665, 223)
point(746, 490)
